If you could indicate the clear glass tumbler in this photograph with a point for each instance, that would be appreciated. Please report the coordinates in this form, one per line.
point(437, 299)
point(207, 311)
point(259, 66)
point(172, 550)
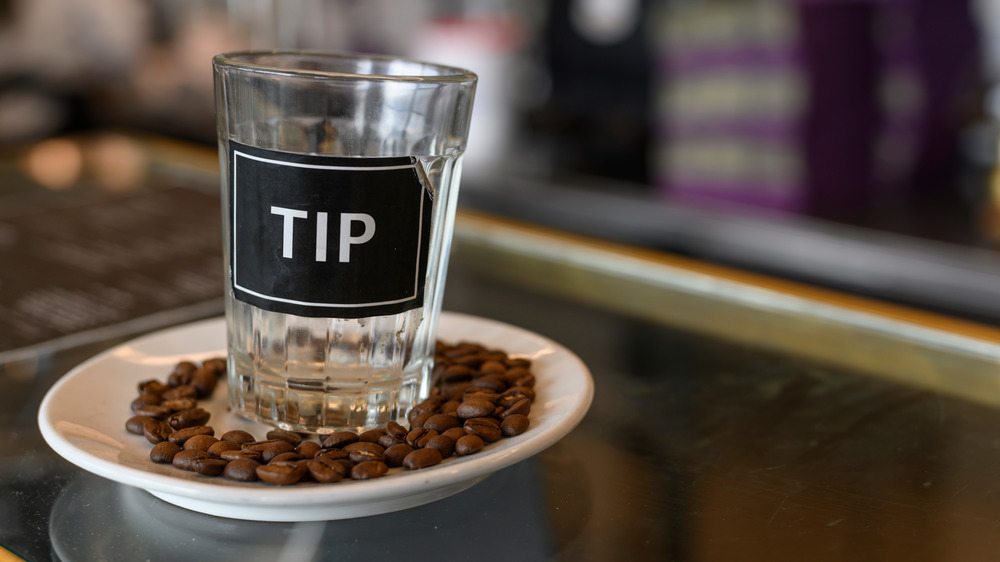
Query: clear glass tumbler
point(339, 183)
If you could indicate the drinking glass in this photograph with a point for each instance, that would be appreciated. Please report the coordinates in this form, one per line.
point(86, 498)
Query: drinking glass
point(339, 177)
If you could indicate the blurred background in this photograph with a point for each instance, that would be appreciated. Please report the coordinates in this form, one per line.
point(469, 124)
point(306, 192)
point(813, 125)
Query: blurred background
point(847, 143)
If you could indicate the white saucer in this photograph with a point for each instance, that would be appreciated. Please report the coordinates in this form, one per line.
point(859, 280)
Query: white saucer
point(83, 419)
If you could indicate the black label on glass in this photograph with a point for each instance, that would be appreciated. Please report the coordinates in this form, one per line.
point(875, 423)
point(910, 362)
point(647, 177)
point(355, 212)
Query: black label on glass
point(325, 236)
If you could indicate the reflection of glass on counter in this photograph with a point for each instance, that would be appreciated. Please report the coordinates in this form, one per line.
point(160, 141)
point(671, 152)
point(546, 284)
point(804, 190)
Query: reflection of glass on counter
point(96, 519)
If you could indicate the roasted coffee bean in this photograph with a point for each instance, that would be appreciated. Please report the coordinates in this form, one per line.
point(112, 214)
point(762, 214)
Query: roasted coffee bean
point(457, 373)
point(220, 447)
point(422, 458)
point(364, 446)
point(202, 442)
point(164, 451)
point(454, 391)
point(527, 381)
point(156, 431)
point(486, 428)
point(468, 445)
point(184, 368)
point(290, 456)
point(308, 449)
point(456, 433)
point(338, 439)
point(473, 360)
point(275, 448)
point(515, 424)
point(361, 456)
point(152, 386)
point(394, 455)
point(243, 470)
point(182, 435)
point(209, 466)
point(443, 443)
point(189, 418)
point(462, 349)
point(480, 394)
point(517, 362)
point(342, 465)
point(449, 407)
point(516, 372)
point(522, 406)
point(396, 430)
point(238, 436)
point(236, 454)
point(417, 420)
point(179, 404)
point(474, 408)
point(489, 382)
point(182, 391)
point(289, 436)
point(429, 406)
point(516, 393)
point(146, 399)
point(368, 470)
point(153, 411)
point(332, 454)
point(282, 473)
point(492, 367)
point(441, 422)
point(324, 472)
point(216, 364)
point(185, 458)
point(389, 440)
point(204, 381)
point(372, 435)
point(134, 424)
point(418, 435)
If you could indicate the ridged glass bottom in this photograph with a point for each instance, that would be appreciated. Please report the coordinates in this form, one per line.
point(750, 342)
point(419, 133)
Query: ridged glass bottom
point(326, 374)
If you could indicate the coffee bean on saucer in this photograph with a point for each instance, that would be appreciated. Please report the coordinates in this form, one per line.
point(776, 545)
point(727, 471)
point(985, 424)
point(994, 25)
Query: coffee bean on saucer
point(488, 429)
point(201, 442)
point(188, 418)
point(308, 449)
point(164, 452)
point(185, 458)
point(134, 424)
point(209, 466)
point(146, 399)
point(238, 436)
point(468, 445)
point(182, 391)
point(324, 472)
point(289, 436)
point(368, 470)
point(338, 439)
point(444, 444)
point(395, 454)
point(422, 458)
point(283, 473)
point(220, 447)
point(204, 381)
point(182, 435)
point(513, 425)
point(242, 470)
point(156, 431)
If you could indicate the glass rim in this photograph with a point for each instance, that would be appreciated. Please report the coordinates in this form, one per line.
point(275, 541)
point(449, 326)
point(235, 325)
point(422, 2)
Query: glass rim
point(248, 60)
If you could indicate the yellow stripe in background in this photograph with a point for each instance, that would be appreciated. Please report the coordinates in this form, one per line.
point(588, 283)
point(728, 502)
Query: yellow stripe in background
point(8, 556)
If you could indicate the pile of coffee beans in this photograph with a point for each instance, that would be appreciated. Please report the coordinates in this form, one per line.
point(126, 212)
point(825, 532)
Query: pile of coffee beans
point(478, 396)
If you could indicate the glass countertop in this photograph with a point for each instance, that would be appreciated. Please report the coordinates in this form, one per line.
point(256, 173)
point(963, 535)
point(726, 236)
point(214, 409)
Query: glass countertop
point(736, 417)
